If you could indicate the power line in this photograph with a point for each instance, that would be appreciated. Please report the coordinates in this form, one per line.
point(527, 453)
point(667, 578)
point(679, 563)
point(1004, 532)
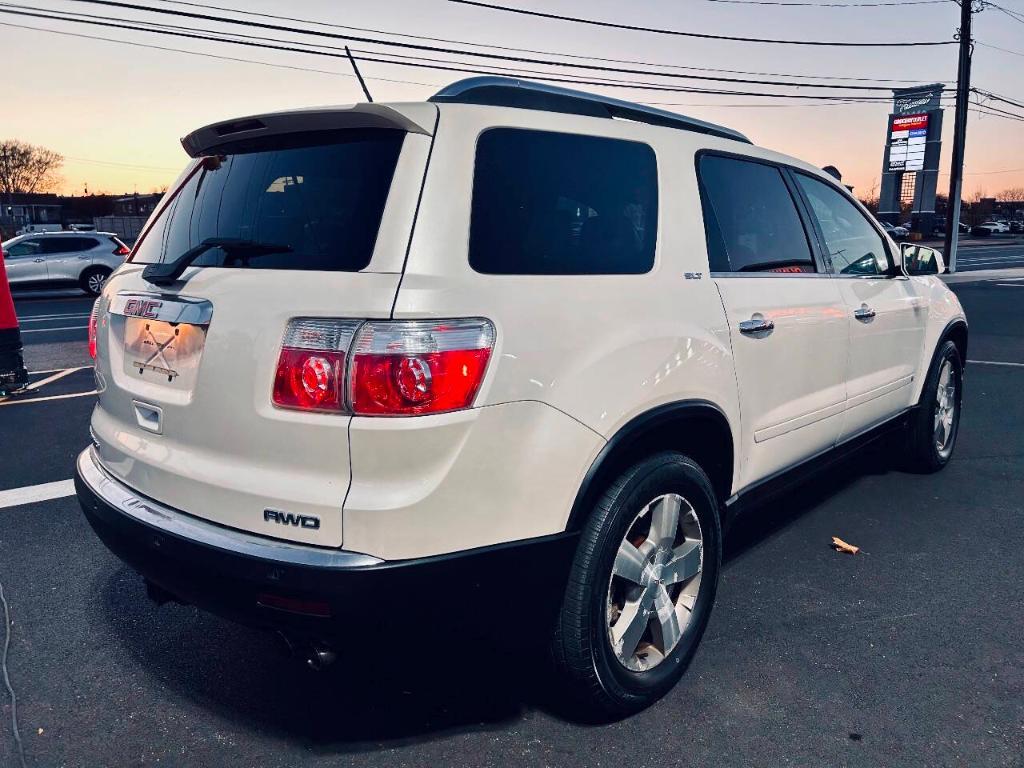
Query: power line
point(456, 51)
point(997, 48)
point(978, 111)
point(542, 52)
point(446, 68)
point(1015, 15)
point(464, 69)
point(830, 5)
point(260, 42)
point(811, 102)
point(680, 33)
point(211, 55)
point(120, 165)
point(996, 97)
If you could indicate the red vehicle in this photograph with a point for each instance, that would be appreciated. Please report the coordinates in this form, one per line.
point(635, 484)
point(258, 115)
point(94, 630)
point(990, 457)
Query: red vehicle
point(13, 375)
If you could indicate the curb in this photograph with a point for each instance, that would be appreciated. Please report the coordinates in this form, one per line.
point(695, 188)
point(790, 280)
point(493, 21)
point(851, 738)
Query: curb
point(982, 275)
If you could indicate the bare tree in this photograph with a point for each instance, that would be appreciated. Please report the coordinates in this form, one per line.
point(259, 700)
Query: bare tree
point(1011, 195)
point(25, 168)
point(870, 200)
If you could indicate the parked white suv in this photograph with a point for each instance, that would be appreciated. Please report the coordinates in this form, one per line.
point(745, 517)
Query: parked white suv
point(516, 350)
point(57, 259)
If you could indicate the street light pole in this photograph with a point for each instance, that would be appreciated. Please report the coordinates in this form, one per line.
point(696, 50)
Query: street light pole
point(956, 172)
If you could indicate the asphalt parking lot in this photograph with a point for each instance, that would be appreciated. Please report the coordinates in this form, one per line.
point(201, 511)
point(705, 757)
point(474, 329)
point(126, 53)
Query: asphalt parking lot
point(909, 655)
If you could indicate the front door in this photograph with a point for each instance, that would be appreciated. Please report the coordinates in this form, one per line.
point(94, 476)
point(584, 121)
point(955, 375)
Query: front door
point(787, 317)
point(886, 316)
point(25, 263)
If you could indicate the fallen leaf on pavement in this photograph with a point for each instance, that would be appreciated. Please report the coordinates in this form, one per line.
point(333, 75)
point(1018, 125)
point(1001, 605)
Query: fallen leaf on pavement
point(842, 546)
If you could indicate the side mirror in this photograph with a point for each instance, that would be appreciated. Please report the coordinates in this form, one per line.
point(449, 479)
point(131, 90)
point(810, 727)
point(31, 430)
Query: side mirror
point(921, 260)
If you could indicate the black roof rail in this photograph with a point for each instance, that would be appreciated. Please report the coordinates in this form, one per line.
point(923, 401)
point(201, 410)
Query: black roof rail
point(524, 94)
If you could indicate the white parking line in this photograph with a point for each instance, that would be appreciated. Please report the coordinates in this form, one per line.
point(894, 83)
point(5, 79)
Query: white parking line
point(45, 318)
point(995, 362)
point(63, 328)
point(55, 377)
point(1011, 285)
point(33, 493)
point(55, 371)
point(14, 401)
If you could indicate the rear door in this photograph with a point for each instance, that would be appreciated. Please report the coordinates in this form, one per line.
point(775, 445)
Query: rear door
point(787, 318)
point(187, 371)
point(885, 314)
point(66, 257)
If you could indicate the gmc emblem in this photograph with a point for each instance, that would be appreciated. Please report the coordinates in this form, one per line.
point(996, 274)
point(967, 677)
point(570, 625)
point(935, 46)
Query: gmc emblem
point(290, 518)
point(146, 308)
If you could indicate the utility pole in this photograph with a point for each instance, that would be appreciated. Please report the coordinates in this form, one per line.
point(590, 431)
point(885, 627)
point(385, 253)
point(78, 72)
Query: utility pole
point(956, 172)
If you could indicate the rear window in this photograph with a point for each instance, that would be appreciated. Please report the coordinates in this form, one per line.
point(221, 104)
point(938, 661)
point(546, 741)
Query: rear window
point(562, 204)
point(321, 194)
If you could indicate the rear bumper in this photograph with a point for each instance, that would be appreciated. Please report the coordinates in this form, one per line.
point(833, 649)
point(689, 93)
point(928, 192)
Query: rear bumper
point(327, 592)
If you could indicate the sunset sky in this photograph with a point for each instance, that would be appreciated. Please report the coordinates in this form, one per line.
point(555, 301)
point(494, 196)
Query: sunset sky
point(117, 111)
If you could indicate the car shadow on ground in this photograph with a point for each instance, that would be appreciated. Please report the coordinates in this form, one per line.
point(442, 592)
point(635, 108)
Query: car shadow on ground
point(392, 688)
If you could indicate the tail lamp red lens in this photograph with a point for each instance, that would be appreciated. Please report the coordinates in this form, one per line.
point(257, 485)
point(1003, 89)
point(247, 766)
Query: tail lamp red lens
point(94, 317)
point(311, 367)
point(122, 250)
point(410, 367)
point(394, 368)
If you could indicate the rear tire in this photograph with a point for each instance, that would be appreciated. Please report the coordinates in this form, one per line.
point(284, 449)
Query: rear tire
point(641, 588)
point(933, 430)
point(93, 279)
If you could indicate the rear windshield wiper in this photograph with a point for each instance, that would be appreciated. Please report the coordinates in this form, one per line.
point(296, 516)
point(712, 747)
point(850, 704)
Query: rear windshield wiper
point(167, 272)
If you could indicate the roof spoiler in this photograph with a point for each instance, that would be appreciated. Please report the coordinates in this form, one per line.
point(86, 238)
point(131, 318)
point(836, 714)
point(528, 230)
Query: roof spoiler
point(411, 118)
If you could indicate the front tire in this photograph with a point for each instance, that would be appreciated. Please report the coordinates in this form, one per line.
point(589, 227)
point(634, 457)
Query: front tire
point(641, 589)
point(935, 426)
point(93, 279)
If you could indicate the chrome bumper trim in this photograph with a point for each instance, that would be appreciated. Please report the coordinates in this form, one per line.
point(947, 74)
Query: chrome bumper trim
point(171, 521)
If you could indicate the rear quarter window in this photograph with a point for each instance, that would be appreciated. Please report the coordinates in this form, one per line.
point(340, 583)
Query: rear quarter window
point(322, 194)
point(548, 203)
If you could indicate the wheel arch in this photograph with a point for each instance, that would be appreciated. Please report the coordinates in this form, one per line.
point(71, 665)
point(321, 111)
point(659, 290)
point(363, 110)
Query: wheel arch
point(697, 428)
point(955, 331)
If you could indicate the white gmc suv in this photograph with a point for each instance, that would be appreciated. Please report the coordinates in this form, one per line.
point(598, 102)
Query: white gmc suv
point(517, 349)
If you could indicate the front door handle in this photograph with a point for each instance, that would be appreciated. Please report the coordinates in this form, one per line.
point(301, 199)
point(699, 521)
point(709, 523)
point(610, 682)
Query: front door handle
point(864, 312)
point(38, 261)
point(756, 325)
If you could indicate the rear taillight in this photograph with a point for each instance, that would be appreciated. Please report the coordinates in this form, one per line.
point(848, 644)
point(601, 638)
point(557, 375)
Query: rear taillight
point(409, 367)
point(382, 368)
point(311, 367)
point(94, 317)
point(120, 249)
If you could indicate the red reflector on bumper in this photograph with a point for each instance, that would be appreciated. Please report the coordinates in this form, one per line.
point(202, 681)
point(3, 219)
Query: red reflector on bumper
point(316, 608)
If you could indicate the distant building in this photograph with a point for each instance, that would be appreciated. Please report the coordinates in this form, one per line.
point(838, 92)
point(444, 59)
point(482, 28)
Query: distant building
point(136, 205)
point(21, 209)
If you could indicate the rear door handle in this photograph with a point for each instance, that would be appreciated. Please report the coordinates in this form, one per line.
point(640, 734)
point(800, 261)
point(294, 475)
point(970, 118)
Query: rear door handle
point(756, 325)
point(38, 261)
point(864, 312)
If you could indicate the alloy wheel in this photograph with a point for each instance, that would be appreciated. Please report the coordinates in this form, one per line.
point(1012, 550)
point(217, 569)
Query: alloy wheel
point(655, 582)
point(95, 283)
point(944, 421)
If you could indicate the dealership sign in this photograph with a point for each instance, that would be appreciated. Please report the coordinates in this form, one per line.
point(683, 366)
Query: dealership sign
point(908, 136)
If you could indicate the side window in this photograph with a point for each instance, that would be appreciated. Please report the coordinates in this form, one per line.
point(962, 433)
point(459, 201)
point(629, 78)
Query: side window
point(750, 218)
point(55, 245)
point(24, 249)
point(854, 246)
point(561, 204)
